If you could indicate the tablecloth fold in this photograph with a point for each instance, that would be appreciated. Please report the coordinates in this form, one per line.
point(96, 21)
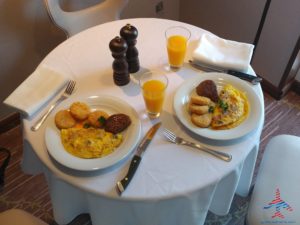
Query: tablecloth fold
point(36, 90)
point(222, 53)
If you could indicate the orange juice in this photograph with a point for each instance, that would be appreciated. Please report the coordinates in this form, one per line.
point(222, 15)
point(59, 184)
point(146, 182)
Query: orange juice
point(176, 46)
point(154, 93)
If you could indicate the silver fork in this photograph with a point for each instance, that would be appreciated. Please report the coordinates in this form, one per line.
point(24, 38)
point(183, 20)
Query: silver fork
point(178, 140)
point(68, 91)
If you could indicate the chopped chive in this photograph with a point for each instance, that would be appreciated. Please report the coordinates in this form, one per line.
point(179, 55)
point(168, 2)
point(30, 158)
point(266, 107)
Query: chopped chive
point(223, 105)
point(101, 120)
point(86, 125)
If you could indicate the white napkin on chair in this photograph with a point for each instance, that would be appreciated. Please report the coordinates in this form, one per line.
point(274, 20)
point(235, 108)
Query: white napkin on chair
point(213, 50)
point(36, 90)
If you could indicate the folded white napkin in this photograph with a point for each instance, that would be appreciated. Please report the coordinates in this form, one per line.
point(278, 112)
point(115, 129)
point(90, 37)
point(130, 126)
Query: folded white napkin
point(213, 50)
point(36, 90)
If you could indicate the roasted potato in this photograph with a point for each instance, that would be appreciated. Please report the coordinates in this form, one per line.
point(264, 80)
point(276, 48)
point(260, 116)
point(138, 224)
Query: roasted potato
point(97, 118)
point(202, 120)
point(200, 100)
point(80, 110)
point(63, 119)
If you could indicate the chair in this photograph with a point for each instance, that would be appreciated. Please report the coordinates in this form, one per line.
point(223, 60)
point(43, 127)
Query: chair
point(76, 21)
point(275, 198)
point(19, 217)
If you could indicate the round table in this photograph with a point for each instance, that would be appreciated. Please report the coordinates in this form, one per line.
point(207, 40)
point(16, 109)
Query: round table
point(173, 184)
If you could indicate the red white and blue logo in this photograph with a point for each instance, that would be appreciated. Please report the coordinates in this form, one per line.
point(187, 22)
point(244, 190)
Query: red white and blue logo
point(279, 205)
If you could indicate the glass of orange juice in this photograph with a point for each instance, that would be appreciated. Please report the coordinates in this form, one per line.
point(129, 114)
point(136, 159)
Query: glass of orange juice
point(177, 39)
point(153, 85)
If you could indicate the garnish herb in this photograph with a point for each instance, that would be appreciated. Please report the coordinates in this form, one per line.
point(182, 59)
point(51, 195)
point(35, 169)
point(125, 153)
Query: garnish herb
point(211, 109)
point(101, 120)
point(86, 125)
point(223, 105)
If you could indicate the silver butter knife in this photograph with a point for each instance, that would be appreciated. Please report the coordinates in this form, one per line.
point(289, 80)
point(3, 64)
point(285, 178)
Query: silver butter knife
point(122, 184)
point(244, 76)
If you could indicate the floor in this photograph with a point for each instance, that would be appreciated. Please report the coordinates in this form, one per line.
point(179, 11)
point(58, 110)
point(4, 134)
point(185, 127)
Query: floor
point(31, 193)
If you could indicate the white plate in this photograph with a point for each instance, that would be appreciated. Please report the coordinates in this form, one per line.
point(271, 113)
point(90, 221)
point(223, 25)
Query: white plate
point(184, 92)
point(109, 104)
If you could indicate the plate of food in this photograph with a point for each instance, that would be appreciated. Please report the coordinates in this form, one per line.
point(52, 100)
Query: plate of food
point(218, 106)
point(92, 133)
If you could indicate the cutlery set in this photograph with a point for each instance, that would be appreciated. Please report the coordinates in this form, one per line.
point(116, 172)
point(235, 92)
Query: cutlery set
point(244, 76)
point(122, 184)
point(68, 91)
point(180, 141)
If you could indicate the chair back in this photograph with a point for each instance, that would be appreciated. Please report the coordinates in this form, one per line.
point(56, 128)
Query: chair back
point(76, 21)
point(19, 216)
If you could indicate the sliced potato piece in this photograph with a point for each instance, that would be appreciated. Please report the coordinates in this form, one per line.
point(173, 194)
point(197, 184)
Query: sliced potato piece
point(63, 120)
point(199, 109)
point(200, 100)
point(80, 110)
point(201, 120)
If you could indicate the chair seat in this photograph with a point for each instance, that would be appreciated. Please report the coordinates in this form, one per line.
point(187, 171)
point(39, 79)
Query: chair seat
point(19, 217)
point(276, 194)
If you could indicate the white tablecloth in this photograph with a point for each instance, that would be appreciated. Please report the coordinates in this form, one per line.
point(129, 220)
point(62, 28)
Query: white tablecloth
point(173, 184)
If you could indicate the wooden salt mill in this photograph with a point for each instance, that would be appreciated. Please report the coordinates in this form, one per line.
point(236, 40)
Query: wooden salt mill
point(130, 33)
point(118, 46)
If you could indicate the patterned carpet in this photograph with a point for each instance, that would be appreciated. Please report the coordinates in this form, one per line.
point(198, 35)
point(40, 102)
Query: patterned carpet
point(31, 193)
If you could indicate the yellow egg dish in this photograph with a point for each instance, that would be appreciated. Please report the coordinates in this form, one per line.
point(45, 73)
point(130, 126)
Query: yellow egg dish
point(90, 142)
point(231, 110)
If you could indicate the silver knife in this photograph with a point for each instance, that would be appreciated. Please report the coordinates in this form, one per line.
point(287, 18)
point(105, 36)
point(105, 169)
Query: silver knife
point(122, 184)
point(244, 76)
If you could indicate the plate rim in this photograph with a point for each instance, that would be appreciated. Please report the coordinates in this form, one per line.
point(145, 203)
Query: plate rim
point(215, 76)
point(52, 130)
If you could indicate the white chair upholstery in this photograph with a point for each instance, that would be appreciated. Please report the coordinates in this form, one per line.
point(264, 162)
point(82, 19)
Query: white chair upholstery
point(276, 194)
point(76, 21)
point(19, 217)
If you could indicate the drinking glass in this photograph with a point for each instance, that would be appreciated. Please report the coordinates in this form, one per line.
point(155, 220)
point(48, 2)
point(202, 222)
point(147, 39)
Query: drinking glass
point(153, 85)
point(177, 39)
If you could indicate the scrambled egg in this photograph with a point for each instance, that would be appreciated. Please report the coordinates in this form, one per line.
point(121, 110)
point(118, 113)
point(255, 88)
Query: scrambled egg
point(89, 143)
point(231, 110)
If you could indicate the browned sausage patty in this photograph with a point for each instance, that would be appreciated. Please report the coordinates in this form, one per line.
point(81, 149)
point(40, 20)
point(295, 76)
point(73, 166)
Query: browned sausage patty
point(116, 123)
point(208, 89)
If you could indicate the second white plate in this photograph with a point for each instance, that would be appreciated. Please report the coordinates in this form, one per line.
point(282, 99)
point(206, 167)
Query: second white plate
point(184, 92)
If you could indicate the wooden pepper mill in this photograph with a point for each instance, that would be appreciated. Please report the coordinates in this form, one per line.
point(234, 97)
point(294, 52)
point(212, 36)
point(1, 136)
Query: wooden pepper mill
point(118, 46)
point(130, 33)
